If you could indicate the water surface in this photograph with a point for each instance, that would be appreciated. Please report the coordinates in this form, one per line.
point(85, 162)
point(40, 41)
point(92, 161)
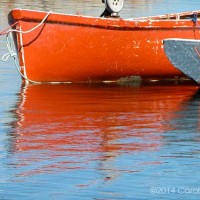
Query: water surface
point(98, 141)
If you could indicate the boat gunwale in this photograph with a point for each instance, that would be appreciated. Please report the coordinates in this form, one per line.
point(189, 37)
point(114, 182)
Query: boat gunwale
point(108, 23)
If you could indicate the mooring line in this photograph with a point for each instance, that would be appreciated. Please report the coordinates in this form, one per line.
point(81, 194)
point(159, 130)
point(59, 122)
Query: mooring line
point(5, 32)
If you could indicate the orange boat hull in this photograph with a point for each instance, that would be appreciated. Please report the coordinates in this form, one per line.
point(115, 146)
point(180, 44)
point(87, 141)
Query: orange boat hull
point(72, 48)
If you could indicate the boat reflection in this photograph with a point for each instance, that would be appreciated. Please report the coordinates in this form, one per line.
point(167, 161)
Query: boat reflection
point(66, 127)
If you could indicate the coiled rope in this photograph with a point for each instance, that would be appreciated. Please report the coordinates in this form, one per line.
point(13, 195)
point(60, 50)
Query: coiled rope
point(11, 52)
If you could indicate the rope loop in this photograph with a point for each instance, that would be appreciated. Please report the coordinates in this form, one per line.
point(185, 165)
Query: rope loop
point(11, 52)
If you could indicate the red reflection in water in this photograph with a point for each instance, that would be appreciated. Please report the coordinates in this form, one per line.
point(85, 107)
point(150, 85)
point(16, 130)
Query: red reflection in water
point(77, 120)
point(80, 114)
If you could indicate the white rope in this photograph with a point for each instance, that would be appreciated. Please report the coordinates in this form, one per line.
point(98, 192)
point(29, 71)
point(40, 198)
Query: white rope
point(13, 54)
point(28, 31)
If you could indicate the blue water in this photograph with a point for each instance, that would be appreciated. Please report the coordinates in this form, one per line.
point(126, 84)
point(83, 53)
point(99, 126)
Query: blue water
point(101, 142)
